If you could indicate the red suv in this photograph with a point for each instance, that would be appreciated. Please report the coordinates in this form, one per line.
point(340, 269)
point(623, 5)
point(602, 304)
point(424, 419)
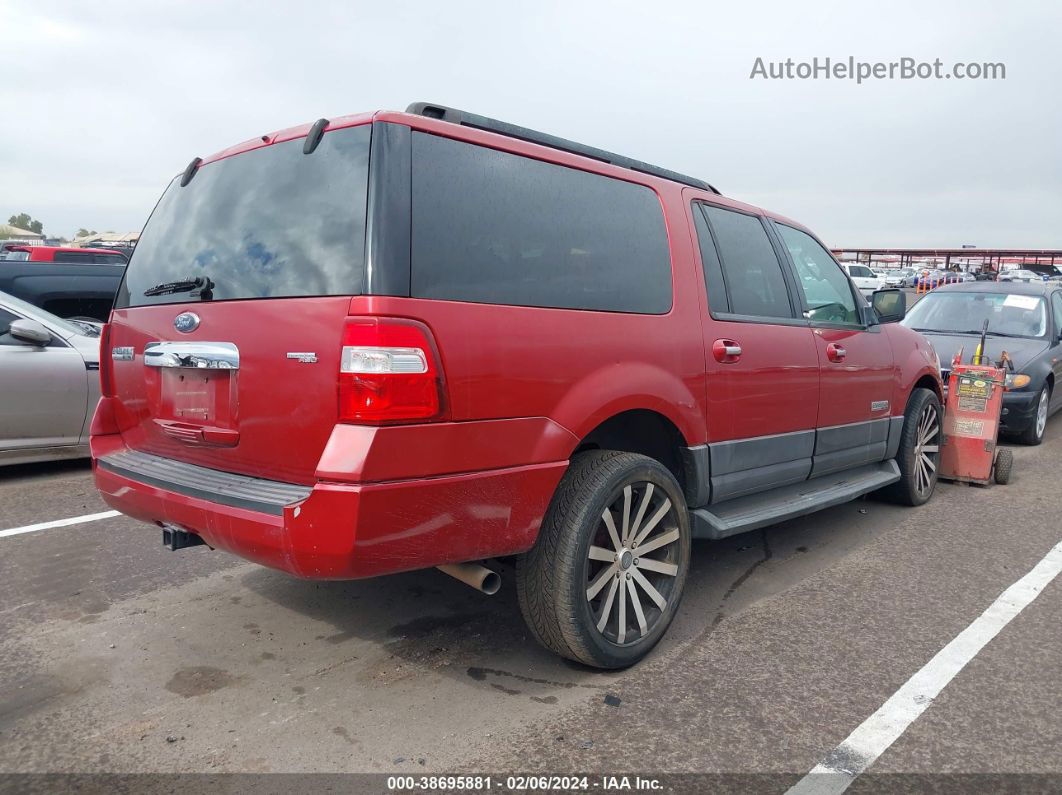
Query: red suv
point(399, 340)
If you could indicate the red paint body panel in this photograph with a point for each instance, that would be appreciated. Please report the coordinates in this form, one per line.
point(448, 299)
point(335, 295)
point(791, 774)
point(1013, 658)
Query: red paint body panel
point(774, 386)
point(47, 253)
point(369, 454)
point(283, 409)
point(866, 375)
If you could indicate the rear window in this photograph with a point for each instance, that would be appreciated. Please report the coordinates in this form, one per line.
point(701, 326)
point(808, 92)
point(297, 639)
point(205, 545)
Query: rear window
point(91, 257)
point(268, 223)
point(492, 227)
point(860, 272)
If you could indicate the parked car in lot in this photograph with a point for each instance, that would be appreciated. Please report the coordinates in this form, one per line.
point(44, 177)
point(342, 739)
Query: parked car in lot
point(1021, 275)
point(49, 371)
point(900, 277)
point(931, 279)
point(326, 359)
point(85, 292)
point(87, 256)
point(864, 278)
point(1025, 320)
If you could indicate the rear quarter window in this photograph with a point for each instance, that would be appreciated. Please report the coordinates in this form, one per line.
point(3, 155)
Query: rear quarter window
point(492, 227)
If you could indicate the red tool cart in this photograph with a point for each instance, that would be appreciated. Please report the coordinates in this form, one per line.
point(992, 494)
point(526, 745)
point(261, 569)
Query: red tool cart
point(971, 420)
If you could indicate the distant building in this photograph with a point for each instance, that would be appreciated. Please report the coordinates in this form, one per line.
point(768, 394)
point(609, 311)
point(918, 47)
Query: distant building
point(9, 232)
point(107, 240)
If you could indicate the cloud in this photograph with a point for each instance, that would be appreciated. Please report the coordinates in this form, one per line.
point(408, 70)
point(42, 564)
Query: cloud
point(104, 102)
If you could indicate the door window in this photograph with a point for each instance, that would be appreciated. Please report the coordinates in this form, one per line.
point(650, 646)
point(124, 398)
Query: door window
point(827, 290)
point(752, 275)
point(1056, 310)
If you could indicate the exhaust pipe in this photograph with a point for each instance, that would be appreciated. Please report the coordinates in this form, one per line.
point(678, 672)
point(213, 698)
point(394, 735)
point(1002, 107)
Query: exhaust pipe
point(479, 577)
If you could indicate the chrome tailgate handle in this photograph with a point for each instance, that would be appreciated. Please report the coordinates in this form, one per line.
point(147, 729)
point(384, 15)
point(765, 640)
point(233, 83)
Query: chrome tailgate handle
point(195, 355)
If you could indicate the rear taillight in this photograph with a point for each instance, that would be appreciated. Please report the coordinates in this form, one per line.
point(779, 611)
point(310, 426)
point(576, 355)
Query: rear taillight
point(106, 365)
point(389, 371)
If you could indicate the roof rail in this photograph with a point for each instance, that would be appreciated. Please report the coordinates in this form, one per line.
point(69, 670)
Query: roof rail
point(466, 119)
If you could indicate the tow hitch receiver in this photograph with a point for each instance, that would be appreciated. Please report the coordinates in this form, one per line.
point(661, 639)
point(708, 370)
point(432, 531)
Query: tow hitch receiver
point(174, 538)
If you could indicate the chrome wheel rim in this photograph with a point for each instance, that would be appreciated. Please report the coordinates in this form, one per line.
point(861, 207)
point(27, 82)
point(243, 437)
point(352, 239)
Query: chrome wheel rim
point(1041, 414)
point(927, 449)
point(633, 563)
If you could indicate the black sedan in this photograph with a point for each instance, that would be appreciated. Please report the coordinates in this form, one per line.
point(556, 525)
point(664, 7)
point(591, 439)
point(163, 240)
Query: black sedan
point(1025, 320)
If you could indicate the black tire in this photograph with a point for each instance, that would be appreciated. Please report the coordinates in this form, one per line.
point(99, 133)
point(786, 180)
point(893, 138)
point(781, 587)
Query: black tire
point(912, 488)
point(1034, 434)
point(1004, 466)
point(554, 578)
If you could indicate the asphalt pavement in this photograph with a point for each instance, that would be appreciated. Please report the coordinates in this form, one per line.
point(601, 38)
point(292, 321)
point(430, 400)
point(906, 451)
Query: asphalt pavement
point(117, 656)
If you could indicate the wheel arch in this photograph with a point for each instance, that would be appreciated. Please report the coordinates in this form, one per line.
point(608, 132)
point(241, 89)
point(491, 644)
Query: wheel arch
point(644, 431)
point(927, 381)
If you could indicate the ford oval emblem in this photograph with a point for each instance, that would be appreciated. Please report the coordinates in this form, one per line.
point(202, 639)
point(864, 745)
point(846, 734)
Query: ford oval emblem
point(186, 322)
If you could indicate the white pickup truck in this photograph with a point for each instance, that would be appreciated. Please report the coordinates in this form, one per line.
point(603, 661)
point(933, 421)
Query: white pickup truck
point(864, 278)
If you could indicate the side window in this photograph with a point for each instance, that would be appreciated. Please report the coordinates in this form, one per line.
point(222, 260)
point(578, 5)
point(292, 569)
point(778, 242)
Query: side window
point(713, 271)
point(753, 276)
point(827, 291)
point(493, 227)
point(1056, 310)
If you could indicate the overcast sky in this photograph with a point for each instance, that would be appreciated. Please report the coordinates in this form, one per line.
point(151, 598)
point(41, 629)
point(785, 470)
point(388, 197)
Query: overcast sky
point(103, 102)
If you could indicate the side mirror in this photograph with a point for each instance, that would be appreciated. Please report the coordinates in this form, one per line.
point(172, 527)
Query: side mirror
point(889, 305)
point(30, 332)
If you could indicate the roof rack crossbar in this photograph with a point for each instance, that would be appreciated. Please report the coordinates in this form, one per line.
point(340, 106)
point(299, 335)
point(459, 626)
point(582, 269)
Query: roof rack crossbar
point(443, 113)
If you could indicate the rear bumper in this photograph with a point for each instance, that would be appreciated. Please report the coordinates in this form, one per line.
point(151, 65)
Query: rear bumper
point(348, 531)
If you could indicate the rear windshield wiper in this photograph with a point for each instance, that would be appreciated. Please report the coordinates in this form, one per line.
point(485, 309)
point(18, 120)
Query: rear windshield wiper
point(200, 287)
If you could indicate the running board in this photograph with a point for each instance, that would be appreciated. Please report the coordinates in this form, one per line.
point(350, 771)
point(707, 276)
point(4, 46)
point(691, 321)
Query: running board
point(787, 502)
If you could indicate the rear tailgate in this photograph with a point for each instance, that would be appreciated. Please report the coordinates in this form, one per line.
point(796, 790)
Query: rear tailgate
point(251, 390)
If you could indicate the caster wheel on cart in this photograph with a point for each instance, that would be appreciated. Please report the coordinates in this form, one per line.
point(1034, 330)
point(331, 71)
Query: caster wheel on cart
point(1003, 467)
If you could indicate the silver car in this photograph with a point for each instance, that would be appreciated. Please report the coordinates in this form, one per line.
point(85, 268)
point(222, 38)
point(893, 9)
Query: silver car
point(49, 383)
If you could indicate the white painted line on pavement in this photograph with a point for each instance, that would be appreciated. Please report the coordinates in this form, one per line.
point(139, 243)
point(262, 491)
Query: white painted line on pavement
point(864, 745)
point(32, 528)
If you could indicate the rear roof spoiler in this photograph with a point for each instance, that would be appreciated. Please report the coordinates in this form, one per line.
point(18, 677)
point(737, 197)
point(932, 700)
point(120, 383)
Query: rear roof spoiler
point(466, 119)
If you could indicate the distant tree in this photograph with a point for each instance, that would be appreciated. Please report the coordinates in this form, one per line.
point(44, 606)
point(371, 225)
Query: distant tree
point(24, 221)
point(83, 232)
